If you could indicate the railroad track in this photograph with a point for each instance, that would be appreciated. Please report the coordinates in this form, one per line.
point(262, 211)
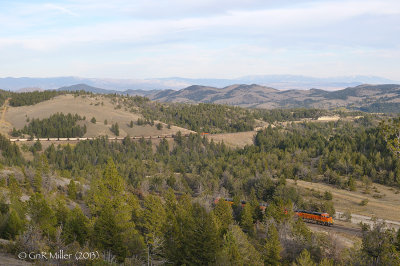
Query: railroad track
point(337, 229)
point(92, 138)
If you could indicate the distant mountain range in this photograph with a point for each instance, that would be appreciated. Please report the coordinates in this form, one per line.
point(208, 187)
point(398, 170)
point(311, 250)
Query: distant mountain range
point(370, 98)
point(281, 82)
point(87, 88)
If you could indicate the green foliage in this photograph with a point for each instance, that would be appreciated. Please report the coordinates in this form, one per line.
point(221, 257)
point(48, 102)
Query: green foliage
point(56, 126)
point(379, 246)
point(15, 132)
point(201, 240)
point(112, 207)
point(328, 195)
point(37, 180)
point(391, 133)
point(93, 120)
point(41, 213)
point(246, 219)
point(238, 250)
point(364, 202)
point(37, 146)
point(305, 259)
point(152, 218)
point(72, 190)
point(76, 227)
point(115, 129)
point(12, 220)
point(31, 98)
point(159, 126)
point(343, 149)
point(10, 151)
point(223, 215)
point(211, 118)
point(272, 247)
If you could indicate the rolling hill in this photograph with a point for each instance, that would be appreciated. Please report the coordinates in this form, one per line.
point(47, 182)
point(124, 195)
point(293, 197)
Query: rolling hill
point(372, 98)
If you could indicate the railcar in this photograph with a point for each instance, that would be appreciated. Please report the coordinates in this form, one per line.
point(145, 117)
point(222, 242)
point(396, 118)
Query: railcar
point(315, 217)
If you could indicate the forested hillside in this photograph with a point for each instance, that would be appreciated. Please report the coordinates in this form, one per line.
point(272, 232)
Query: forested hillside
point(31, 98)
point(138, 204)
point(142, 202)
point(215, 118)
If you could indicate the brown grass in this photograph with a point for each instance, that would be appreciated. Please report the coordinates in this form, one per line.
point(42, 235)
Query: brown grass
point(86, 106)
point(387, 207)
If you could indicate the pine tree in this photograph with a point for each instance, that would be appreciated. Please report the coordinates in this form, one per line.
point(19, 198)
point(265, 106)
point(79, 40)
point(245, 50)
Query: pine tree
point(72, 191)
point(304, 259)
point(37, 180)
point(114, 229)
point(153, 218)
point(238, 250)
point(12, 225)
point(76, 227)
point(202, 240)
point(42, 214)
point(272, 246)
point(246, 219)
point(223, 215)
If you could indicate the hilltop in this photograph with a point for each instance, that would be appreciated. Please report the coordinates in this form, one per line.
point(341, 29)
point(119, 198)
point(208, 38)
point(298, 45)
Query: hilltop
point(370, 98)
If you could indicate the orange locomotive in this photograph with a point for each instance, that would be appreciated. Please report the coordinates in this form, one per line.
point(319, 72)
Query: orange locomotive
point(315, 217)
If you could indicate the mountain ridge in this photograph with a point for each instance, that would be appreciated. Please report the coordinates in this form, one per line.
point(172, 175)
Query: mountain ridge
point(281, 82)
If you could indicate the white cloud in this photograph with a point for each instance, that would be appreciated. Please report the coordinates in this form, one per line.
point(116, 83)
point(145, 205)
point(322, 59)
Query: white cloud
point(220, 34)
point(60, 9)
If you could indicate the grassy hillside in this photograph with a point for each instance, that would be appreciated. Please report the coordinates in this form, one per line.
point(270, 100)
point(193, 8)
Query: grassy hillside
point(102, 108)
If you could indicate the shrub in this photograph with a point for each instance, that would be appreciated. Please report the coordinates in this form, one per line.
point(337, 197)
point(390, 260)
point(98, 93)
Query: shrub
point(364, 202)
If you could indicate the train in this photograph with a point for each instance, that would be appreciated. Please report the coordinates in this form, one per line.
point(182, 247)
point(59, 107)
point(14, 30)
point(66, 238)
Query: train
point(92, 138)
point(321, 218)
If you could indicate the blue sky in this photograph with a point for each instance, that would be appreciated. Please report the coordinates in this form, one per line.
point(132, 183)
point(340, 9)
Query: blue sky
point(199, 39)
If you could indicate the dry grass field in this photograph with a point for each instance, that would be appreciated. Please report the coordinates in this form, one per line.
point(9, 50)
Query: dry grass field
point(383, 201)
point(236, 140)
point(99, 107)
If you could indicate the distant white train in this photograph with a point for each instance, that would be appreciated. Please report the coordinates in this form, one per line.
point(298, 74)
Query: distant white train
point(92, 138)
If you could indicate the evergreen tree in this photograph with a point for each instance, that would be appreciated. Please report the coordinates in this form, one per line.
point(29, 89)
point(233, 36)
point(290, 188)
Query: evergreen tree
point(202, 239)
point(76, 227)
point(38, 180)
point(304, 259)
point(153, 218)
point(238, 250)
point(246, 219)
point(72, 191)
point(223, 215)
point(272, 246)
point(42, 214)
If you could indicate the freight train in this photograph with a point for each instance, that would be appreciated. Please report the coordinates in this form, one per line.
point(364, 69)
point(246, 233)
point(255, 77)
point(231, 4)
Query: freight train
point(322, 218)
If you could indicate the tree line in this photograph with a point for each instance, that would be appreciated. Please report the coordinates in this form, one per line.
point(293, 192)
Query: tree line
point(57, 125)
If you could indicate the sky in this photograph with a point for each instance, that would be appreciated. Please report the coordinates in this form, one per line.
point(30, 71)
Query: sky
point(199, 38)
